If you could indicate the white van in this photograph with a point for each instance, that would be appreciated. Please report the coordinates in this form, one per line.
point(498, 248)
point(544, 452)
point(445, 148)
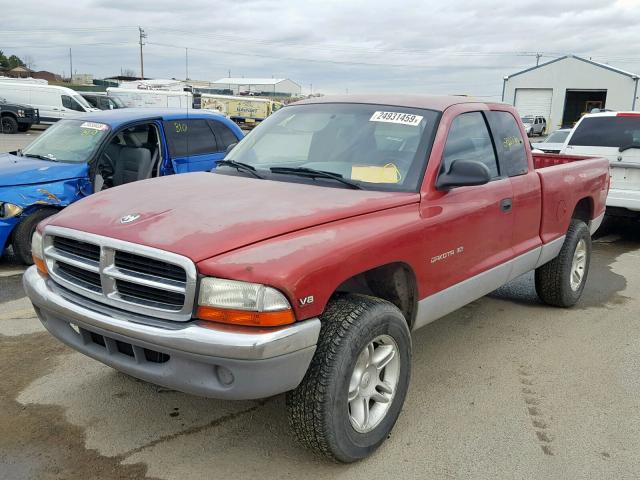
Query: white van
point(615, 136)
point(53, 102)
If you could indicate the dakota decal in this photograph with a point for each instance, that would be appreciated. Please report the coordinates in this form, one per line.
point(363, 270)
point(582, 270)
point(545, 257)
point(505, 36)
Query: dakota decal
point(445, 255)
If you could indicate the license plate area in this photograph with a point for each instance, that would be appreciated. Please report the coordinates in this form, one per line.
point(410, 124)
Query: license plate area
point(625, 178)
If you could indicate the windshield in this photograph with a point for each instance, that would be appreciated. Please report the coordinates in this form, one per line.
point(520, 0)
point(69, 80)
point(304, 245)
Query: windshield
point(607, 131)
point(527, 119)
point(377, 146)
point(68, 141)
point(557, 137)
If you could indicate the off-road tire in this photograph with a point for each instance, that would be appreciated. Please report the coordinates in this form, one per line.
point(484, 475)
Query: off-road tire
point(8, 124)
point(24, 231)
point(553, 279)
point(318, 407)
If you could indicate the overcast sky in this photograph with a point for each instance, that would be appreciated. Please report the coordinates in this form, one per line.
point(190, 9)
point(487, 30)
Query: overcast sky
point(406, 46)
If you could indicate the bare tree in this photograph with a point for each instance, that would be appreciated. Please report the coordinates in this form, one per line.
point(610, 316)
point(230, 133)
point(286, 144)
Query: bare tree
point(127, 72)
point(29, 62)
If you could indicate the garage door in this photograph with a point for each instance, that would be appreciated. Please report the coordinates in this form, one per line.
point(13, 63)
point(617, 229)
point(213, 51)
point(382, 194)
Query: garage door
point(534, 101)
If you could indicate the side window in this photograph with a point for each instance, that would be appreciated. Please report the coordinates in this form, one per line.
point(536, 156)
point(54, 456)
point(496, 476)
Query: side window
point(189, 137)
point(469, 139)
point(93, 101)
point(223, 133)
point(68, 102)
point(509, 143)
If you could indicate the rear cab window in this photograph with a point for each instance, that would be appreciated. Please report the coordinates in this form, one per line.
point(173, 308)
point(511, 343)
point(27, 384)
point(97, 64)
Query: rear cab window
point(188, 137)
point(224, 135)
point(510, 145)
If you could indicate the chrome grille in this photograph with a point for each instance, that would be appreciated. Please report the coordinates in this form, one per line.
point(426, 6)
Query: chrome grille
point(125, 275)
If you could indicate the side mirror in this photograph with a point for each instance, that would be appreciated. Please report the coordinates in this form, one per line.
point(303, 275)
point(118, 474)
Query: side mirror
point(230, 147)
point(464, 173)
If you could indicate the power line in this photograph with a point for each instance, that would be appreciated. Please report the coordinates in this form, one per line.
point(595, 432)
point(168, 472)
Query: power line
point(310, 60)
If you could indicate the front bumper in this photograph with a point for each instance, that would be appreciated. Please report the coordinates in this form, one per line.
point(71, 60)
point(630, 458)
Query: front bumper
point(629, 199)
point(201, 358)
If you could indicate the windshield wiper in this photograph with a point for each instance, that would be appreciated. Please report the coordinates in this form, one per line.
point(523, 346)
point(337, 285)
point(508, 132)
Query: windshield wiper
point(245, 167)
point(313, 173)
point(628, 147)
point(41, 157)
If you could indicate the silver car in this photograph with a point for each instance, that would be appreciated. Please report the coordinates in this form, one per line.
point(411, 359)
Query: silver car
point(534, 125)
point(554, 142)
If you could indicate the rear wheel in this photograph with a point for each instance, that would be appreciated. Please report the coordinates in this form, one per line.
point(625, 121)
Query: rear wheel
point(8, 124)
point(24, 231)
point(561, 281)
point(355, 387)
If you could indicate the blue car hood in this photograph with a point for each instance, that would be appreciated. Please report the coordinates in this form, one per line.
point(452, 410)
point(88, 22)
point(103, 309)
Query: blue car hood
point(16, 170)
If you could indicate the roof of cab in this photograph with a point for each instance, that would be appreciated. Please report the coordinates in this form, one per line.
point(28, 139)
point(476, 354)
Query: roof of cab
point(429, 102)
point(121, 116)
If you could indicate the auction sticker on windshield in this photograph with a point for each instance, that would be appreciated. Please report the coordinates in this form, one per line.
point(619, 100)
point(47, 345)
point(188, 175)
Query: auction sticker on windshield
point(396, 117)
point(94, 126)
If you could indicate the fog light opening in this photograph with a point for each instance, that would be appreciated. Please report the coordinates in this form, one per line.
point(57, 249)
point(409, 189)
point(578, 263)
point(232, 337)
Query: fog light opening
point(225, 376)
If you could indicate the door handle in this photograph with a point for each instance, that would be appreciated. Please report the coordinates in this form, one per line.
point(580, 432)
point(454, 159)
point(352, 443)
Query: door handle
point(506, 204)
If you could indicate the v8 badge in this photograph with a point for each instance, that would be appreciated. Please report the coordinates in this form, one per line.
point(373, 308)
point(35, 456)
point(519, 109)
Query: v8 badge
point(308, 300)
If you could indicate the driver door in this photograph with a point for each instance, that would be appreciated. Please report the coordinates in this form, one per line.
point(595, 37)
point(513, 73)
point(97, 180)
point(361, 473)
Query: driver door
point(468, 230)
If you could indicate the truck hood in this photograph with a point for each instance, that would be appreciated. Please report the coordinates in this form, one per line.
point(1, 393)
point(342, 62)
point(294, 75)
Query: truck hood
point(16, 170)
point(201, 215)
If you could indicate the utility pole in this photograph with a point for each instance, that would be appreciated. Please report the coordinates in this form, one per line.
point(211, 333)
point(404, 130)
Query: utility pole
point(142, 36)
point(186, 63)
point(70, 67)
point(311, 89)
point(538, 55)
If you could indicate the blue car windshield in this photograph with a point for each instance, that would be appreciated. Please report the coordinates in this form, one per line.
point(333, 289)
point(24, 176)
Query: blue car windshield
point(68, 141)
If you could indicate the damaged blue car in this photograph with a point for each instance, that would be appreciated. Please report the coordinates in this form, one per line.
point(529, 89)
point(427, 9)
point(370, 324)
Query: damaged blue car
point(89, 153)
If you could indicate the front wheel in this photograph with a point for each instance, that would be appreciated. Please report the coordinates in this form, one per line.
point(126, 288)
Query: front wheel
point(24, 231)
point(561, 281)
point(354, 389)
point(8, 125)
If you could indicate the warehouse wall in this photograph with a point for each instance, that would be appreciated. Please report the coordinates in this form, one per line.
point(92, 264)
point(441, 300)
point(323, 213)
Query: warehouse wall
point(571, 73)
point(287, 86)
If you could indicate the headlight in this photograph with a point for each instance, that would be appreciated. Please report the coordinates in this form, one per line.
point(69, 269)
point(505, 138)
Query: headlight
point(9, 210)
point(242, 303)
point(21, 113)
point(37, 253)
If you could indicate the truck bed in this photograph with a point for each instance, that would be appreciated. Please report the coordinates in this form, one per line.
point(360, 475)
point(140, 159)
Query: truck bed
point(566, 180)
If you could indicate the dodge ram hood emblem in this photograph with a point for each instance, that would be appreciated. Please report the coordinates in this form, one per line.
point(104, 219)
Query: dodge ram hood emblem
point(132, 217)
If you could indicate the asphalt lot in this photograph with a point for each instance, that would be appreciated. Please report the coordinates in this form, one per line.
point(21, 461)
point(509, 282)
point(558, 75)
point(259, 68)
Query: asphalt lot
point(503, 388)
point(9, 143)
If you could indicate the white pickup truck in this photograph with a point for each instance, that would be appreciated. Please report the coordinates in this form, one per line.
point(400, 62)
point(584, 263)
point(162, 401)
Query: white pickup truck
point(616, 137)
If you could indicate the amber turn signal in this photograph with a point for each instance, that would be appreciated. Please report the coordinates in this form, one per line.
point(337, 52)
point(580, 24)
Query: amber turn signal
point(41, 266)
point(244, 317)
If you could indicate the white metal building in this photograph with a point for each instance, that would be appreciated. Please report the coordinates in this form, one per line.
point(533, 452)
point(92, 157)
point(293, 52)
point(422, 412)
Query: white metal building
point(563, 89)
point(273, 86)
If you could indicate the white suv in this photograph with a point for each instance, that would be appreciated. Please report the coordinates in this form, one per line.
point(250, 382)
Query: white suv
point(534, 125)
point(615, 136)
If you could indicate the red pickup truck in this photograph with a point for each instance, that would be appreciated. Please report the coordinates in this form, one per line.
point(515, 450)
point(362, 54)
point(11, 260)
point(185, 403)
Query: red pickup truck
point(305, 260)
